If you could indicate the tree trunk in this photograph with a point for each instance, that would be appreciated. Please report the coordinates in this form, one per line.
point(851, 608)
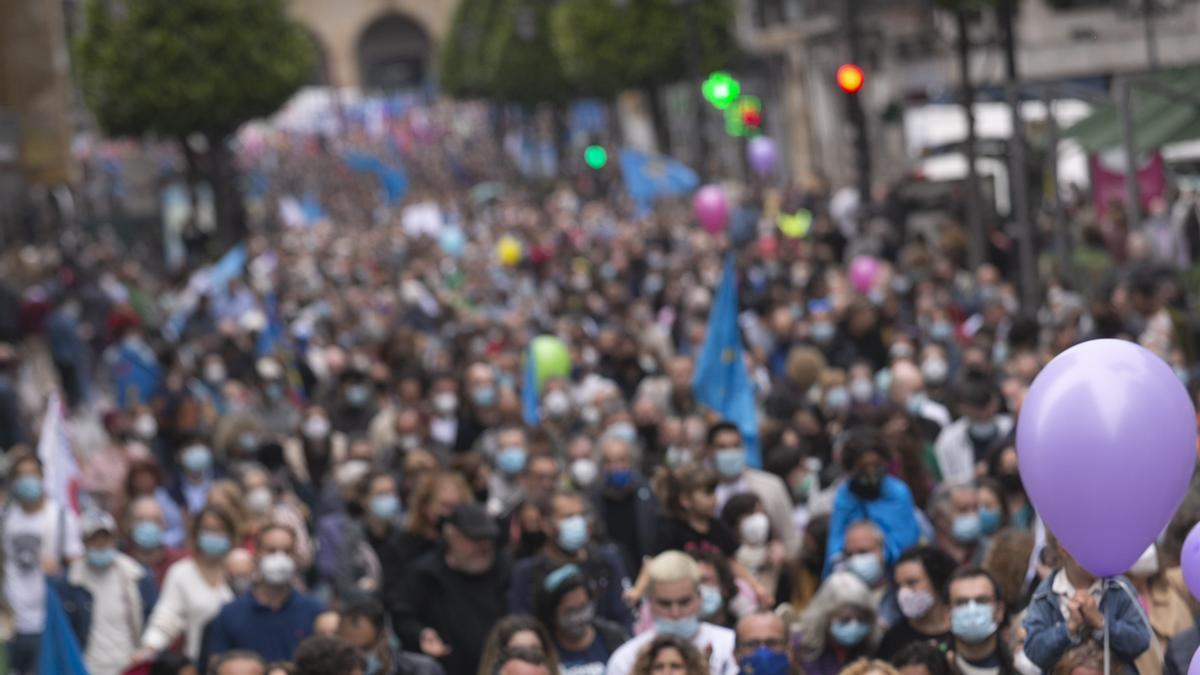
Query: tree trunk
point(658, 117)
point(227, 198)
point(191, 179)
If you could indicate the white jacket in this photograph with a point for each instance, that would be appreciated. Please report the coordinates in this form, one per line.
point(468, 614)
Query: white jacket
point(186, 604)
point(955, 451)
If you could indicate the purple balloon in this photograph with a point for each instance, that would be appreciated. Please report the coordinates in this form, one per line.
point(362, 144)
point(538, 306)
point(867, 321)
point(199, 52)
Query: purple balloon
point(1194, 666)
point(1189, 560)
point(762, 155)
point(1106, 445)
point(863, 271)
point(711, 207)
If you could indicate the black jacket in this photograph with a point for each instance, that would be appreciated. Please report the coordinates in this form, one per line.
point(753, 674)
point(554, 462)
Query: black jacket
point(462, 608)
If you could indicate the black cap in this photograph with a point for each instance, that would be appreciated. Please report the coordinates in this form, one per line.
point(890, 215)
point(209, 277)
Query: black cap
point(474, 522)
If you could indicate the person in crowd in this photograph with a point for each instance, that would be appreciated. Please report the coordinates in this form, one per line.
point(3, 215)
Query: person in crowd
point(170, 663)
point(194, 590)
point(320, 655)
point(227, 495)
point(954, 510)
point(1073, 606)
point(1002, 466)
point(625, 504)
point(12, 425)
point(962, 447)
point(727, 454)
point(670, 655)
point(865, 666)
point(1007, 560)
point(763, 645)
point(976, 617)
point(722, 600)
point(41, 538)
point(518, 633)
point(237, 662)
point(675, 604)
point(871, 494)
point(191, 487)
point(281, 668)
point(921, 658)
point(333, 527)
point(907, 392)
point(363, 623)
point(453, 594)
point(106, 596)
point(838, 626)
point(1166, 609)
point(273, 618)
point(863, 557)
point(688, 496)
point(568, 540)
point(920, 576)
point(565, 604)
point(505, 492)
point(758, 550)
point(266, 503)
point(147, 479)
point(993, 510)
point(372, 555)
point(145, 525)
point(240, 569)
point(435, 497)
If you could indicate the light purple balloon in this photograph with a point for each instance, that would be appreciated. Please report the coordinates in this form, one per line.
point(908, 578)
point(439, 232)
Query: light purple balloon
point(1106, 444)
point(762, 155)
point(711, 207)
point(1189, 561)
point(1194, 666)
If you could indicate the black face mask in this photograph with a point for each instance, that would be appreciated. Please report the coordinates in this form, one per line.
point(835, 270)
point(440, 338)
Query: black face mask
point(1012, 484)
point(866, 486)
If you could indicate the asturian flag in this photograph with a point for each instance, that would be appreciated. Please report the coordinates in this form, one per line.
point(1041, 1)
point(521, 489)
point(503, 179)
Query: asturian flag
point(58, 462)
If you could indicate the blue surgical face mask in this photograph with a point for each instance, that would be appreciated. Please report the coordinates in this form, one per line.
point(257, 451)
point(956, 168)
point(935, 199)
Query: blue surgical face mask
point(27, 489)
point(973, 622)
point(849, 633)
point(837, 399)
point(101, 558)
point(147, 534)
point(730, 462)
point(618, 479)
point(685, 628)
point(822, 331)
point(983, 432)
point(989, 520)
point(385, 507)
point(213, 544)
point(197, 459)
point(765, 661)
point(484, 396)
point(358, 395)
point(572, 533)
point(511, 460)
point(966, 527)
point(624, 431)
point(865, 566)
point(710, 600)
point(274, 391)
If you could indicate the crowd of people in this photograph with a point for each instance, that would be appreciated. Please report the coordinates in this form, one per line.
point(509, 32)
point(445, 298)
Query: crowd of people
point(319, 462)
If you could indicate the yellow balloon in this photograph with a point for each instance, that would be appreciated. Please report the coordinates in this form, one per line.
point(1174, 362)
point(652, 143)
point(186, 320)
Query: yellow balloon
point(795, 225)
point(509, 251)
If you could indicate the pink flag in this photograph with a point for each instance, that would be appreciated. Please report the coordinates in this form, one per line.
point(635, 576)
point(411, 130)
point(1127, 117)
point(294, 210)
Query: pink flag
point(58, 462)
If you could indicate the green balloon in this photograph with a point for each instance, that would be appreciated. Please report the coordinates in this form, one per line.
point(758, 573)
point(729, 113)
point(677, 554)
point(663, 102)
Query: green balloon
point(550, 359)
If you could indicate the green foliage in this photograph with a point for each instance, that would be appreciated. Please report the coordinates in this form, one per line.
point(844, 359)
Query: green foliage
point(519, 62)
point(606, 48)
point(461, 60)
point(183, 66)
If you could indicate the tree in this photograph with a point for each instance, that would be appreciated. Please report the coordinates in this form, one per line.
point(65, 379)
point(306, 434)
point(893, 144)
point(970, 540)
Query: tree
point(519, 61)
point(461, 60)
point(185, 67)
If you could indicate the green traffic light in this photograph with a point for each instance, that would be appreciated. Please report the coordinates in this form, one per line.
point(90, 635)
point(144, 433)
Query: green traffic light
point(721, 89)
point(595, 157)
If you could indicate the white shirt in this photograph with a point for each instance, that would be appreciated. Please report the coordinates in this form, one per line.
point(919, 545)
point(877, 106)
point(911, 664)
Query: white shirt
point(116, 613)
point(720, 662)
point(30, 538)
point(186, 604)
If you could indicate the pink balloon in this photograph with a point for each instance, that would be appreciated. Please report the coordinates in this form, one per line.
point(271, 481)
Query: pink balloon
point(1189, 560)
point(863, 271)
point(711, 207)
point(1106, 445)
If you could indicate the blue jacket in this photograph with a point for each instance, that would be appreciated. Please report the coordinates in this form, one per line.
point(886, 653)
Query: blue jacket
point(245, 623)
point(78, 604)
point(1046, 628)
point(603, 568)
point(894, 513)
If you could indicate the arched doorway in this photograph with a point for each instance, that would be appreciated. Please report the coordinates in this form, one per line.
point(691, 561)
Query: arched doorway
point(393, 54)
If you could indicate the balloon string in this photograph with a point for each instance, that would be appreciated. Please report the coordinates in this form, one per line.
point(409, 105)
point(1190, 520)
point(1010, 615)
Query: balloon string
point(1106, 622)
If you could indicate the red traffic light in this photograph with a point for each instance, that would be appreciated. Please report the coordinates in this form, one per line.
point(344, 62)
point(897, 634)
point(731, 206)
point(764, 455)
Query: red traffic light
point(752, 117)
point(850, 78)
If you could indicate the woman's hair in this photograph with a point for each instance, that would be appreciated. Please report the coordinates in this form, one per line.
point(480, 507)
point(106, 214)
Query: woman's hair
point(143, 465)
point(229, 495)
point(992, 485)
point(692, 660)
point(504, 630)
point(724, 573)
point(555, 586)
point(1008, 561)
point(672, 485)
point(865, 666)
point(1087, 655)
point(424, 493)
point(922, 654)
point(937, 564)
point(738, 507)
point(227, 523)
point(840, 589)
point(320, 655)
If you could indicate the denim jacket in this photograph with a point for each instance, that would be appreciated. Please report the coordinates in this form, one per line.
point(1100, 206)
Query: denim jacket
point(1046, 627)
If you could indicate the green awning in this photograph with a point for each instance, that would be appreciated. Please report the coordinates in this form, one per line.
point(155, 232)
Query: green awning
point(1159, 116)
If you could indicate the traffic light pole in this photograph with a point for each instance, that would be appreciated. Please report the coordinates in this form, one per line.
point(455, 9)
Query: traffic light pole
point(858, 118)
point(977, 252)
point(694, 80)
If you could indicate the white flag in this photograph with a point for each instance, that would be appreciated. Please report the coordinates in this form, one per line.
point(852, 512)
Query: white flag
point(58, 462)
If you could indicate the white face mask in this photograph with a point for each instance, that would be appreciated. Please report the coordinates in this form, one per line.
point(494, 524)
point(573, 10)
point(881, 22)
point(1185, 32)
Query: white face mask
point(584, 472)
point(754, 529)
point(445, 403)
point(316, 428)
point(1147, 564)
point(146, 426)
point(258, 500)
point(277, 569)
